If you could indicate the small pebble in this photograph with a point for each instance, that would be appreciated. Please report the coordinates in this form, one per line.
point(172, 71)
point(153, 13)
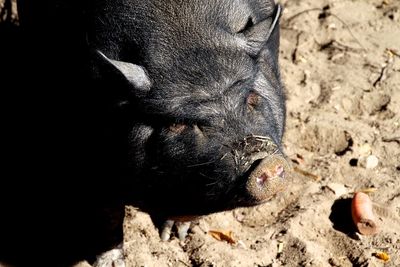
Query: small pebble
point(372, 162)
point(365, 149)
point(368, 162)
point(338, 189)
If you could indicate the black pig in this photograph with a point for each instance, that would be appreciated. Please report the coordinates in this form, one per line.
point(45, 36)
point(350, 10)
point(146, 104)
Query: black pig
point(184, 98)
point(192, 93)
point(204, 96)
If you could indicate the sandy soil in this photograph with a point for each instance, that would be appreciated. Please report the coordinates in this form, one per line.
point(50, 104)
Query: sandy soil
point(340, 62)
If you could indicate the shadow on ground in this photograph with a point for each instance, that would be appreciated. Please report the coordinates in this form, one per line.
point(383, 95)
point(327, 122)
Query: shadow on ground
point(341, 217)
point(49, 216)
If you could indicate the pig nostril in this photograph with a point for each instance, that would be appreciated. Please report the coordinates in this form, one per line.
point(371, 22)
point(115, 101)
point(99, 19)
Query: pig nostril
point(261, 179)
point(280, 171)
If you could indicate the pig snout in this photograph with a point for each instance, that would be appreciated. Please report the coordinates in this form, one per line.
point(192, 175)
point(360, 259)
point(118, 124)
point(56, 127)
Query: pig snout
point(265, 170)
point(269, 177)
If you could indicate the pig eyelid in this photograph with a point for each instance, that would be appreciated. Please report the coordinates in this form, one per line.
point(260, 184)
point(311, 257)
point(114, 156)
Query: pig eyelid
point(239, 84)
point(169, 120)
point(179, 128)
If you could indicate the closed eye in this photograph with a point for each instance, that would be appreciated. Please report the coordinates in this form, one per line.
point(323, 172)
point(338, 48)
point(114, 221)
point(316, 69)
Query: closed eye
point(177, 128)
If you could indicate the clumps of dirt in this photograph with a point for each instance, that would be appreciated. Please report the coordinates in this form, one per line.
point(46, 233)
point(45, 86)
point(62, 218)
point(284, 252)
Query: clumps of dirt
point(314, 138)
point(300, 258)
point(376, 103)
point(140, 232)
point(351, 105)
point(340, 64)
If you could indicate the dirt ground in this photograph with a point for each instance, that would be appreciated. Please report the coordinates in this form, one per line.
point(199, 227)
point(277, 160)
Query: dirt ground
point(340, 63)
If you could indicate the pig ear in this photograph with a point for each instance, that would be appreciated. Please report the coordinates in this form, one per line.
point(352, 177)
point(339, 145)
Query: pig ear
point(273, 37)
point(275, 23)
point(132, 73)
point(263, 32)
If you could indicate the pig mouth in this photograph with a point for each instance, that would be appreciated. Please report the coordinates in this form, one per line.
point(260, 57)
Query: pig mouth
point(262, 172)
point(268, 177)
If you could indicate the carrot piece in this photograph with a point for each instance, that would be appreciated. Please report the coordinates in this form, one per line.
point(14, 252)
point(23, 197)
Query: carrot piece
point(363, 216)
point(221, 235)
point(382, 255)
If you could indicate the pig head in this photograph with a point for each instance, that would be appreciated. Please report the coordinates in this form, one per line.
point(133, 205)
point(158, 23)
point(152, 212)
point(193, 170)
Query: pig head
point(198, 85)
point(182, 98)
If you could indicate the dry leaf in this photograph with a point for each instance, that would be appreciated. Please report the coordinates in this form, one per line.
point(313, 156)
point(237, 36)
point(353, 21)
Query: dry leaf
point(223, 236)
point(382, 255)
point(280, 247)
point(368, 190)
point(307, 174)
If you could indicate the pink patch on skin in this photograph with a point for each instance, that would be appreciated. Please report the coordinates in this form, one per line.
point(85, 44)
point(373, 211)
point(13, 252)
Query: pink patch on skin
point(280, 171)
point(260, 180)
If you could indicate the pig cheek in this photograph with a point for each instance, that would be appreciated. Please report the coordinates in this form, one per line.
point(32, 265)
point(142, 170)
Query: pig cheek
point(173, 150)
point(139, 139)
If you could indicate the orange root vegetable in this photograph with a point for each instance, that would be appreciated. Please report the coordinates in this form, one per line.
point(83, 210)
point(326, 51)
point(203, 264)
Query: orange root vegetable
point(362, 213)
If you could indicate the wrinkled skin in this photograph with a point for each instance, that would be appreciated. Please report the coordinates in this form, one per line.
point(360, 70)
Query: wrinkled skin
point(170, 105)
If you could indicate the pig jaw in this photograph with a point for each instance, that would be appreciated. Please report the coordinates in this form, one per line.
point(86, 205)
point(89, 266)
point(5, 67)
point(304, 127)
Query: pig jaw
point(249, 172)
